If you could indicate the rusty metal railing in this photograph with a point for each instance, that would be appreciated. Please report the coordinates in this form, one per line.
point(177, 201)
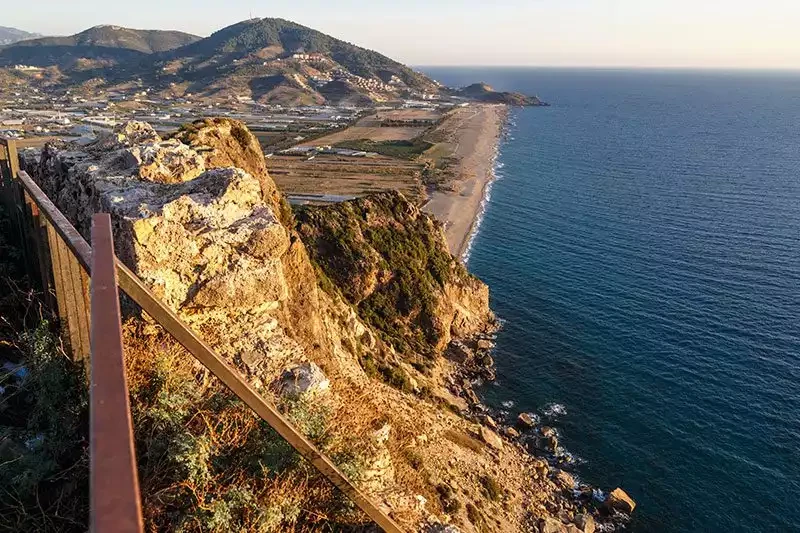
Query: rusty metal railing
point(67, 275)
point(114, 492)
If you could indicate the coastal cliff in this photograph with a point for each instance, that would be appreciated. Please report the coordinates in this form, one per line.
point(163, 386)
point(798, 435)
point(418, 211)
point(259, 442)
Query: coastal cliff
point(354, 319)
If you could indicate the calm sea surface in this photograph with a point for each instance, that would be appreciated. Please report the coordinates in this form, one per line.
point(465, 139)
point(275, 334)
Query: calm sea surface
point(642, 244)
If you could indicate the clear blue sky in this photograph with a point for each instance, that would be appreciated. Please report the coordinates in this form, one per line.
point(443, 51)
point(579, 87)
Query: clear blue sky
point(651, 33)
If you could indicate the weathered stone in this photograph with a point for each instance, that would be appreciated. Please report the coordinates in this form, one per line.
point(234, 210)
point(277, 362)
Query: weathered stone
point(512, 433)
point(585, 523)
point(165, 161)
point(526, 421)
point(491, 438)
point(489, 421)
point(484, 344)
point(564, 480)
point(551, 525)
point(620, 501)
point(547, 431)
point(303, 379)
point(471, 397)
point(459, 352)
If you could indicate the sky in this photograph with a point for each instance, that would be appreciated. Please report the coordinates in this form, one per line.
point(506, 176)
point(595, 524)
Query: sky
point(595, 33)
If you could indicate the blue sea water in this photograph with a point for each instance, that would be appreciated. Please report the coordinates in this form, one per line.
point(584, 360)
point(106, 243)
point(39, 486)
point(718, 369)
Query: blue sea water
point(642, 244)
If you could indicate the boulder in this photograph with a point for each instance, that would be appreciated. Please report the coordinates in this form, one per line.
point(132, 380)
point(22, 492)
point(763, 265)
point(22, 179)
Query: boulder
point(302, 379)
point(458, 352)
point(512, 433)
point(484, 344)
point(585, 523)
point(471, 397)
point(489, 421)
point(564, 480)
point(491, 438)
point(620, 501)
point(526, 421)
point(551, 525)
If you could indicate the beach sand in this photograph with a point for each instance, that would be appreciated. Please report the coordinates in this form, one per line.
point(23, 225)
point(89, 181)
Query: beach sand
point(474, 134)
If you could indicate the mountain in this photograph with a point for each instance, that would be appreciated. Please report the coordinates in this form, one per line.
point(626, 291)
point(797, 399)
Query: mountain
point(107, 44)
point(12, 35)
point(271, 60)
point(485, 93)
point(274, 60)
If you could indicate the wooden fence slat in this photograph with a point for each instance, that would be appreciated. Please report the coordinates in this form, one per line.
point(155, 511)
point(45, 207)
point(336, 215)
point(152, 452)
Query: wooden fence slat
point(58, 277)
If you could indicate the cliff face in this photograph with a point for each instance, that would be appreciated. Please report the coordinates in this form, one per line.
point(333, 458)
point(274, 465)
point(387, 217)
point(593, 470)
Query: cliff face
point(212, 240)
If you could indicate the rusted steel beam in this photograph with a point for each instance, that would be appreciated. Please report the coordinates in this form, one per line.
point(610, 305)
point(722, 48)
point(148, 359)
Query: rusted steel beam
point(232, 379)
point(114, 482)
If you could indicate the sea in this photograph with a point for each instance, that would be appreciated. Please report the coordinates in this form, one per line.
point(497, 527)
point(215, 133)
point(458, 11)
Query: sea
point(642, 245)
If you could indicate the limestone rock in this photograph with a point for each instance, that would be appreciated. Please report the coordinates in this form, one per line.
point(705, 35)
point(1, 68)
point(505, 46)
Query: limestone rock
point(489, 421)
point(303, 379)
point(565, 480)
point(165, 161)
point(224, 142)
point(484, 344)
point(526, 421)
point(491, 438)
point(620, 501)
point(551, 525)
point(585, 523)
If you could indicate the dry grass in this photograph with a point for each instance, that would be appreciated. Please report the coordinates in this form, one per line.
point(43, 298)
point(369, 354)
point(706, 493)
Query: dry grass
point(207, 462)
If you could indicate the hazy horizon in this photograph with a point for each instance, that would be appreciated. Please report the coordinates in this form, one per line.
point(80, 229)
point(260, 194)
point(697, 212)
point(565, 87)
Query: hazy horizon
point(713, 34)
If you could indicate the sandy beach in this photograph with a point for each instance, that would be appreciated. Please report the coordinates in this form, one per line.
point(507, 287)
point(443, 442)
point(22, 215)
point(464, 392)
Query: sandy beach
point(474, 133)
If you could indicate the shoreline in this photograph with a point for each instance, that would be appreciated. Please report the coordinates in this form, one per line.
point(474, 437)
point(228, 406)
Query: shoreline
point(477, 141)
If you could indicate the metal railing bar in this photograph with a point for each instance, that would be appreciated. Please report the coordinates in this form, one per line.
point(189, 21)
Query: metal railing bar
point(114, 482)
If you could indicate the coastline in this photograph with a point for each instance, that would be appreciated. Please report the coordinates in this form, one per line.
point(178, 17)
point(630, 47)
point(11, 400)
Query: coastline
point(476, 143)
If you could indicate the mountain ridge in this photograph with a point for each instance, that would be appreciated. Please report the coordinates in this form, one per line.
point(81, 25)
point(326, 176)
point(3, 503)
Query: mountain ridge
point(270, 60)
point(9, 35)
